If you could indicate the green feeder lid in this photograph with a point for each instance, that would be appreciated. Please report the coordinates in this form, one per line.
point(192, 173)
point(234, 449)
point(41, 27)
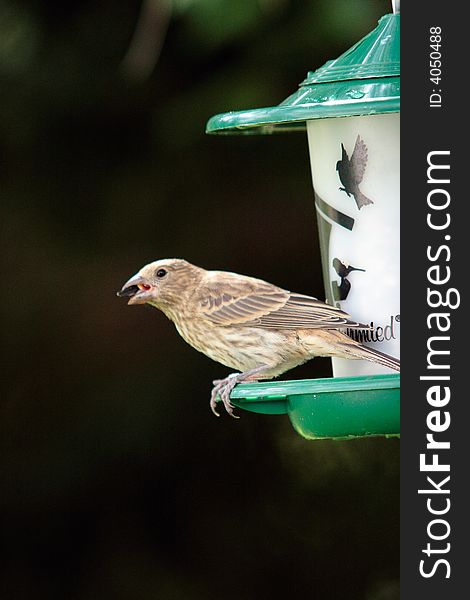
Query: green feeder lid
point(365, 80)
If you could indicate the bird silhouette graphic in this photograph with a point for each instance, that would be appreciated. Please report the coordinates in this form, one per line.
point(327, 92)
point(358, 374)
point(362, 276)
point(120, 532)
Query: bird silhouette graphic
point(351, 172)
point(342, 290)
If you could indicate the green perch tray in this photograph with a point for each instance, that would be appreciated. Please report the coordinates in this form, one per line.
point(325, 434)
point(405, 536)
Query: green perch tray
point(329, 408)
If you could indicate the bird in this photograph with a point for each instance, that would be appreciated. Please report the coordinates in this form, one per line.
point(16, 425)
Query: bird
point(343, 271)
point(351, 172)
point(257, 328)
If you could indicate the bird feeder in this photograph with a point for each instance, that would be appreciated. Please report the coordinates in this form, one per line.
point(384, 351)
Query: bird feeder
point(350, 110)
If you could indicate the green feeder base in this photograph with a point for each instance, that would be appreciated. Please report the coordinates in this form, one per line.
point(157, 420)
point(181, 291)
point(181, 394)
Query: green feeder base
point(334, 408)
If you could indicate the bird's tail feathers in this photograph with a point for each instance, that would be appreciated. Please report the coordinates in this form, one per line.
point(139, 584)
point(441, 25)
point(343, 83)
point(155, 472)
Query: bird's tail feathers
point(379, 357)
point(362, 200)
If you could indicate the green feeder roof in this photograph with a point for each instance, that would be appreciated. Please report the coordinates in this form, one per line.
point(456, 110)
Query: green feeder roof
point(365, 80)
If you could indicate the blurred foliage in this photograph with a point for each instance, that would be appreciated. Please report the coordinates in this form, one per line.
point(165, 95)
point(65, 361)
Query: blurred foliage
point(117, 481)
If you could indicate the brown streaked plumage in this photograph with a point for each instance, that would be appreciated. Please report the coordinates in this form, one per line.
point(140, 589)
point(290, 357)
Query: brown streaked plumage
point(245, 323)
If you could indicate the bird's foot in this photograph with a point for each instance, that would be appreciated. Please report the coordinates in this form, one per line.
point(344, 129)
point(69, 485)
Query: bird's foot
point(223, 388)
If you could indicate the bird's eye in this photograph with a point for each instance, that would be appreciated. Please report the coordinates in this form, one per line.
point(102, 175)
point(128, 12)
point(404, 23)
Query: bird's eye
point(161, 273)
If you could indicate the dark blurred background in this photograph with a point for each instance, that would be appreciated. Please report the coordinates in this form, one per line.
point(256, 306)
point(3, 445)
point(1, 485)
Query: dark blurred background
point(117, 480)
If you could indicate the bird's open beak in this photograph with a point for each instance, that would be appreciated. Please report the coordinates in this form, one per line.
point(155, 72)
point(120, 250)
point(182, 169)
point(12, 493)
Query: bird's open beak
point(136, 289)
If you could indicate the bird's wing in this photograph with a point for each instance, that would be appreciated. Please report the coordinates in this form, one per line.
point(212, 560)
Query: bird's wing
point(230, 299)
point(305, 312)
point(358, 160)
point(344, 155)
point(339, 267)
point(246, 302)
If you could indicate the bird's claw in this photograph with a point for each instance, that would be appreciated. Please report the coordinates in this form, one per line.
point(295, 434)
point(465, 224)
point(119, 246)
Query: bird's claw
point(213, 402)
point(223, 388)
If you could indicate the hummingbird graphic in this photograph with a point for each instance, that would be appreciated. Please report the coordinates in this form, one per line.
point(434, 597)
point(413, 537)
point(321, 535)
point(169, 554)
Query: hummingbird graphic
point(351, 172)
point(342, 290)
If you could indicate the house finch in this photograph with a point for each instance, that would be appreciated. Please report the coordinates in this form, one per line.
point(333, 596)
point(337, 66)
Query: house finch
point(245, 323)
